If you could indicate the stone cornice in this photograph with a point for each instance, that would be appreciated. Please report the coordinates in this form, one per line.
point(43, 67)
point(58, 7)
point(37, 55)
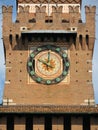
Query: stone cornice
point(52, 1)
point(49, 109)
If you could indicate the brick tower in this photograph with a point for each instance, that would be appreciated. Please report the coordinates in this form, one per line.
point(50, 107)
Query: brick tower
point(48, 57)
point(54, 23)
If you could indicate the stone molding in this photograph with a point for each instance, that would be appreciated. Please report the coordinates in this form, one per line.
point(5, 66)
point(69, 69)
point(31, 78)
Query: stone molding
point(49, 109)
point(52, 1)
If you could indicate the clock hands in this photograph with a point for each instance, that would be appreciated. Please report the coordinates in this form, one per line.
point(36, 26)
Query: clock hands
point(46, 63)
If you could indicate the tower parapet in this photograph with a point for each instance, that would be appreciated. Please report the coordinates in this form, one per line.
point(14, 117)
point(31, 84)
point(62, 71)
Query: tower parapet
point(41, 18)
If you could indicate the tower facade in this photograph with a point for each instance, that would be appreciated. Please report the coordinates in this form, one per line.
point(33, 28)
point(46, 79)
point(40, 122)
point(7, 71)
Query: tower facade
point(48, 57)
point(48, 53)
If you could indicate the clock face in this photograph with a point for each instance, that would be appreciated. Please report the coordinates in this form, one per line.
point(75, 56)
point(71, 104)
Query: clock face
point(48, 64)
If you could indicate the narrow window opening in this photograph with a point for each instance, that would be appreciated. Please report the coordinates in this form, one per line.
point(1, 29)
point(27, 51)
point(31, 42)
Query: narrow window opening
point(33, 20)
point(51, 20)
point(10, 39)
point(80, 21)
point(48, 21)
point(74, 39)
point(87, 40)
point(17, 21)
point(65, 21)
point(4, 51)
point(80, 40)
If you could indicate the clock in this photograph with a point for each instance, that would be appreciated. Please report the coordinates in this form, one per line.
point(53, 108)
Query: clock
point(48, 64)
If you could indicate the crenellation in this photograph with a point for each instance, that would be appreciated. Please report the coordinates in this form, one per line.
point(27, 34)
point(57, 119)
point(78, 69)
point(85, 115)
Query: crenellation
point(40, 15)
point(21, 9)
point(90, 18)
point(74, 9)
point(7, 9)
point(90, 9)
point(26, 8)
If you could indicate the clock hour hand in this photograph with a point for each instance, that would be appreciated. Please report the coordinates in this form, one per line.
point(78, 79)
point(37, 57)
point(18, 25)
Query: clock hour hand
point(45, 63)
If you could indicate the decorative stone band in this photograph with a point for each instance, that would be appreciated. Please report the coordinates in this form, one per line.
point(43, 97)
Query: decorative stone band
point(52, 1)
point(49, 7)
point(50, 109)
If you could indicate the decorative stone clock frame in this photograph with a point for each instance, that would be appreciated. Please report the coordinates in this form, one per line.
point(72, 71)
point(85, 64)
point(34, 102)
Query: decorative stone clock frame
point(48, 64)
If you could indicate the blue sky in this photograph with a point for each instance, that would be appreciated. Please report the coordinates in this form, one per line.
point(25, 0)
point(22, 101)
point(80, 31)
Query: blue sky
point(95, 56)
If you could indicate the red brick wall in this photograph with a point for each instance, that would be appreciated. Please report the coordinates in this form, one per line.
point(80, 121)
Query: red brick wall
point(80, 87)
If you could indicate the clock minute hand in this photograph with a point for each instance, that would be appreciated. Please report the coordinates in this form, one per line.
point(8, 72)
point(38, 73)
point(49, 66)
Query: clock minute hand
point(42, 61)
